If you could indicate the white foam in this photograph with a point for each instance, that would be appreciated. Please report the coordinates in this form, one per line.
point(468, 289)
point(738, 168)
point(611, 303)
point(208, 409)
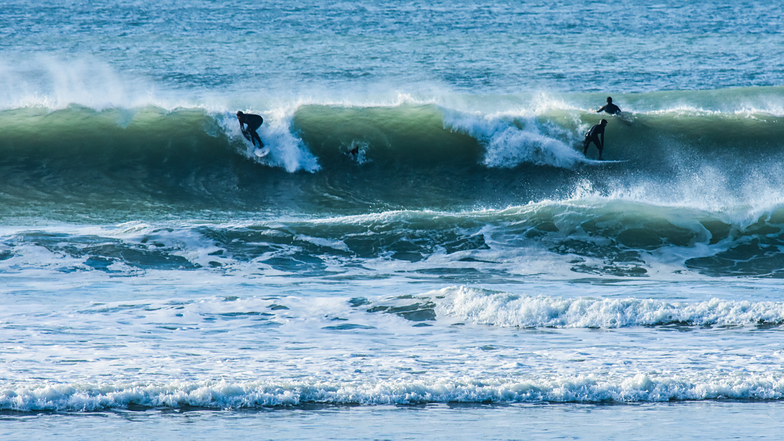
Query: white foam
point(285, 149)
point(513, 310)
point(335, 244)
point(508, 146)
point(226, 394)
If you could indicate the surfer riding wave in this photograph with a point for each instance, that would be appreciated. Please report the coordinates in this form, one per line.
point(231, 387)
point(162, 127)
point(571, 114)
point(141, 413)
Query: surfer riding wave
point(249, 123)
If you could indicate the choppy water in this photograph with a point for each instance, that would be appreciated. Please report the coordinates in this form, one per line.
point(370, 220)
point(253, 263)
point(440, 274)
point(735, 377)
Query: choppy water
point(467, 254)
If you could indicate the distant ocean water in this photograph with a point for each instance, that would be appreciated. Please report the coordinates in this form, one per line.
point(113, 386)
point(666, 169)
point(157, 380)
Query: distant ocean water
point(424, 252)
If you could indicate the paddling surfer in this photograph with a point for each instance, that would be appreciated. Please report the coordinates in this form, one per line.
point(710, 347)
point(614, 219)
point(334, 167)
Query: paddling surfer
point(592, 136)
point(610, 108)
point(249, 123)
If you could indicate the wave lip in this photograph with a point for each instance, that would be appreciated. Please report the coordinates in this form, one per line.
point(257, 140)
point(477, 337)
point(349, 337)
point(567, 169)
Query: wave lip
point(510, 310)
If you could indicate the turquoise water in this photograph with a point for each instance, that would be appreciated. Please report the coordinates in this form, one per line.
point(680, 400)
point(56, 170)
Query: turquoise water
point(424, 252)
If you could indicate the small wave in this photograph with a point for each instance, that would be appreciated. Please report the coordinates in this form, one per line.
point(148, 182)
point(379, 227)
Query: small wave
point(591, 236)
point(641, 387)
point(512, 310)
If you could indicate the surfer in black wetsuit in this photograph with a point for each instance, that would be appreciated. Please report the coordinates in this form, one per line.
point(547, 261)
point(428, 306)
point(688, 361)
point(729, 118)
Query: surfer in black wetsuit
point(610, 108)
point(251, 122)
point(592, 136)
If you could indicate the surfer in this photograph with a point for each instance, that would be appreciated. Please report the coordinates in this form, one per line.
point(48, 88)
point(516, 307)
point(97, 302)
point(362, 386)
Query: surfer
point(251, 122)
point(610, 108)
point(592, 136)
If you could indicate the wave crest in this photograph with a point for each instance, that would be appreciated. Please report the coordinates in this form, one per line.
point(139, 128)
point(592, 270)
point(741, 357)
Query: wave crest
point(511, 310)
point(641, 387)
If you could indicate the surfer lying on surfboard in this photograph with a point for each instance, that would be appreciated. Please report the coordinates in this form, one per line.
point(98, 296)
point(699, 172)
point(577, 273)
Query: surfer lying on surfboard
point(592, 136)
point(251, 122)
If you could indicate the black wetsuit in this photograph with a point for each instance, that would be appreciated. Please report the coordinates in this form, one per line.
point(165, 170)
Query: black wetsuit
point(253, 122)
point(592, 136)
point(610, 108)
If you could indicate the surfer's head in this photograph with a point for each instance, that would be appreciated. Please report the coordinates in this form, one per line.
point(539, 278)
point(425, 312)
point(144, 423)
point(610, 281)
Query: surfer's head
point(603, 122)
point(239, 114)
point(609, 100)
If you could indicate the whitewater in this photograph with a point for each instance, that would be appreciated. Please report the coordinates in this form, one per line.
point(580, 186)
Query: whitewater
point(425, 252)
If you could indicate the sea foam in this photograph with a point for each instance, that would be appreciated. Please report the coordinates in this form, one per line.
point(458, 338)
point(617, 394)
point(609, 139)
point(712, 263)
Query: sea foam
point(514, 310)
point(641, 387)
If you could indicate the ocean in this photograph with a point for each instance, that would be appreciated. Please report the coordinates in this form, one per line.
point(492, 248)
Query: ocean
point(424, 251)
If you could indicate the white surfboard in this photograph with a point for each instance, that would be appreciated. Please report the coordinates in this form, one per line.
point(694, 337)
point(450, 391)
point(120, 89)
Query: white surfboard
point(604, 161)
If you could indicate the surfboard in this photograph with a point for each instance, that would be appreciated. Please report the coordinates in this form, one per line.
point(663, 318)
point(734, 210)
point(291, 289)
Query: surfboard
point(262, 152)
point(604, 161)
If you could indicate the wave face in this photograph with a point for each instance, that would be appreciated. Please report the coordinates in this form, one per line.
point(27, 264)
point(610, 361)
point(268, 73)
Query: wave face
point(327, 158)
